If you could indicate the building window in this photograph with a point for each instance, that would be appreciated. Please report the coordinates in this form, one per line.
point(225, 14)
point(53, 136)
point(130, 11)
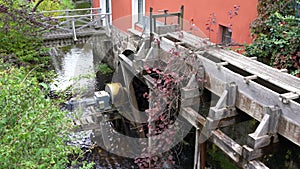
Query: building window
point(226, 35)
point(140, 10)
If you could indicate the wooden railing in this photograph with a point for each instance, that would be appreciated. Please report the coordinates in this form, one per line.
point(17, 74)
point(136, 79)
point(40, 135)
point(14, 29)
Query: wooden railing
point(75, 20)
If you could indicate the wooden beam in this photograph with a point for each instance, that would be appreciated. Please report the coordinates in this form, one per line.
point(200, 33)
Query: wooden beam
point(267, 128)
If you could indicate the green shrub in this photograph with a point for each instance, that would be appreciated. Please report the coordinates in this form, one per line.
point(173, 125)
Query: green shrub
point(32, 128)
point(277, 36)
point(104, 69)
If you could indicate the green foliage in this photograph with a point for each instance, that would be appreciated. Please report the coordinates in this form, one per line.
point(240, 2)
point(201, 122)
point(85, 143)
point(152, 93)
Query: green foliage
point(20, 32)
point(104, 69)
point(83, 5)
point(277, 36)
point(48, 5)
point(217, 157)
point(32, 128)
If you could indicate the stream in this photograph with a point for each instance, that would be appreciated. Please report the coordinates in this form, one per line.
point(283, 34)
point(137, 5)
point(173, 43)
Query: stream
point(75, 72)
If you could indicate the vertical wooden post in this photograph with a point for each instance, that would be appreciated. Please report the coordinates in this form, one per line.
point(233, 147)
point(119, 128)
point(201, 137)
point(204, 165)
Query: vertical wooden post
point(203, 154)
point(197, 155)
point(165, 12)
point(91, 17)
point(182, 12)
point(150, 133)
point(196, 150)
point(200, 152)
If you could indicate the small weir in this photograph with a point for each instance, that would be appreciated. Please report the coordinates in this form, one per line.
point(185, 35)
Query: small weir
point(74, 67)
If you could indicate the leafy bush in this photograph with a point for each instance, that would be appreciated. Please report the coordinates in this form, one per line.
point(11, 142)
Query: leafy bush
point(104, 69)
point(48, 5)
point(277, 36)
point(20, 31)
point(32, 128)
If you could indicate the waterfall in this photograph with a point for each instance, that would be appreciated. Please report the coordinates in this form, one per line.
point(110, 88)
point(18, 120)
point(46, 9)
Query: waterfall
point(54, 53)
point(74, 68)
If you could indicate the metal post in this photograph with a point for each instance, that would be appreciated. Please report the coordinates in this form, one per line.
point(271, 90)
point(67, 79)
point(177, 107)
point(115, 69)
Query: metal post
point(151, 33)
point(154, 24)
point(68, 23)
point(91, 17)
point(73, 28)
point(99, 24)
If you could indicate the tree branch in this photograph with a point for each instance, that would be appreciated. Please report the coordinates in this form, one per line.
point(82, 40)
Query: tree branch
point(36, 5)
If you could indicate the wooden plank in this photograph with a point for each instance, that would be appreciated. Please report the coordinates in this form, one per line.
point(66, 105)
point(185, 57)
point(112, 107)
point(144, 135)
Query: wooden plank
point(226, 144)
point(197, 150)
point(252, 98)
point(249, 153)
point(255, 165)
point(193, 117)
point(71, 10)
point(268, 73)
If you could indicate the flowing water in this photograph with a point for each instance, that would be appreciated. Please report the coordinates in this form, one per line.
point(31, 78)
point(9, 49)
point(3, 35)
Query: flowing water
point(75, 72)
point(75, 69)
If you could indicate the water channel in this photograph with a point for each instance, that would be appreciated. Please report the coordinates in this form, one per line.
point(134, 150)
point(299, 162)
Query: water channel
point(74, 66)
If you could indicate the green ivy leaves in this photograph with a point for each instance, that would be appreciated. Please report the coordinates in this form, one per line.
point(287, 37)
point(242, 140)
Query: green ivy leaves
point(277, 36)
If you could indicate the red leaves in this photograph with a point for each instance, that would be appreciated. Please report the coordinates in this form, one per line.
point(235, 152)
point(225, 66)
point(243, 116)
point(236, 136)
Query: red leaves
point(146, 95)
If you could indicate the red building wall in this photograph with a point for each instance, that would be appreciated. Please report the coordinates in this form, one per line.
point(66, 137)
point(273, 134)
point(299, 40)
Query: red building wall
point(198, 11)
point(121, 13)
point(96, 3)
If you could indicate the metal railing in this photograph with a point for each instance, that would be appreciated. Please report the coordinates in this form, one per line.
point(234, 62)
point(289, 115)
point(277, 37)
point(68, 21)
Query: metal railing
point(79, 19)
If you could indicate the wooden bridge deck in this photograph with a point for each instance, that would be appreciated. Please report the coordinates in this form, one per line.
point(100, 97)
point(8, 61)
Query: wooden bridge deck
point(62, 34)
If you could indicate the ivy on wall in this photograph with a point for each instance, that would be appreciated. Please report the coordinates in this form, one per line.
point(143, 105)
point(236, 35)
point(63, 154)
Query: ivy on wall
point(276, 33)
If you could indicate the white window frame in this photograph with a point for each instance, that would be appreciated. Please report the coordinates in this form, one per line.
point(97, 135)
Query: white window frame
point(103, 9)
point(135, 11)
